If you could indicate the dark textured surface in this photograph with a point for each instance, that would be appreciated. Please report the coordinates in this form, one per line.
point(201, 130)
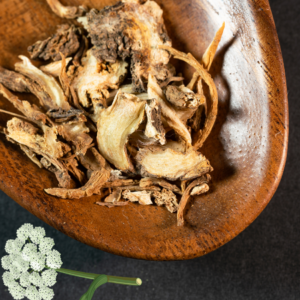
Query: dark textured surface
point(261, 263)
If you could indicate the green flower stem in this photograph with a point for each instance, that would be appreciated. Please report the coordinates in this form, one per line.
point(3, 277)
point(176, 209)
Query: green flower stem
point(111, 279)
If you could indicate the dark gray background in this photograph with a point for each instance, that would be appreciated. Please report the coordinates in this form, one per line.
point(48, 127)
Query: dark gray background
point(263, 262)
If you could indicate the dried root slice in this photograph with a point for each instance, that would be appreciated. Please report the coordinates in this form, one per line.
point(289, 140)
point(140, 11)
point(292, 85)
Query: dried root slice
point(14, 81)
point(201, 189)
point(154, 128)
point(167, 111)
point(93, 186)
point(68, 12)
point(142, 197)
point(94, 78)
point(47, 146)
point(167, 198)
point(115, 196)
point(115, 125)
point(172, 165)
point(149, 181)
point(212, 114)
point(46, 82)
point(32, 112)
point(65, 41)
point(119, 183)
point(201, 184)
point(131, 29)
point(114, 204)
point(182, 96)
point(92, 160)
point(54, 68)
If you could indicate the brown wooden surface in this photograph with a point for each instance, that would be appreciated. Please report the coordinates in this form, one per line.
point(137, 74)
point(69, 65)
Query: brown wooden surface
point(247, 147)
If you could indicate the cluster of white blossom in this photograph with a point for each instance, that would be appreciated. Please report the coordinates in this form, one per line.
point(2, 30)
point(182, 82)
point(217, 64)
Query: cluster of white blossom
point(30, 264)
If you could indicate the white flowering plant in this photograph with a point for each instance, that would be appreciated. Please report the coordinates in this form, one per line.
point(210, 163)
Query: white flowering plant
point(31, 267)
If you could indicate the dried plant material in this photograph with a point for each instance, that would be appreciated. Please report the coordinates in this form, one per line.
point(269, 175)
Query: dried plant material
point(119, 183)
point(47, 146)
point(142, 197)
point(182, 96)
point(168, 112)
point(201, 189)
point(31, 155)
point(117, 123)
point(47, 82)
point(32, 112)
point(68, 12)
point(65, 41)
point(186, 196)
point(114, 204)
point(115, 196)
point(138, 140)
point(210, 53)
point(167, 198)
point(94, 78)
point(131, 29)
point(14, 81)
point(138, 188)
point(154, 128)
point(212, 114)
point(54, 68)
point(92, 160)
point(93, 186)
point(150, 181)
point(171, 164)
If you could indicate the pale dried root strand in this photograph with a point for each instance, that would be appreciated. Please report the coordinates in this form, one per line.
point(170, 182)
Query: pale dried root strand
point(186, 197)
point(212, 114)
point(210, 52)
point(68, 12)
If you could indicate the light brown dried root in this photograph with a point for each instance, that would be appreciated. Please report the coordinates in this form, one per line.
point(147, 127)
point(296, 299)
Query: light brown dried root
point(201, 189)
point(32, 112)
point(131, 29)
point(47, 146)
point(65, 41)
point(47, 82)
point(167, 198)
point(54, 68)
point(172, 165)
point(117, 123)
point(187, 194)
point(142, 197)
point(115, 196)
point(168, 112)
point(212, 114)
point(149, 181)
point(94, 78)
point(154, 128)
point(68, 12)
point(120, 183)
point(114, 204)
point(93, 186)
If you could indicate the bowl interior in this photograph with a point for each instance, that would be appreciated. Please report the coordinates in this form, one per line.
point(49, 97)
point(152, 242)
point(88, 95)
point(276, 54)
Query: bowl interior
point(247, 147)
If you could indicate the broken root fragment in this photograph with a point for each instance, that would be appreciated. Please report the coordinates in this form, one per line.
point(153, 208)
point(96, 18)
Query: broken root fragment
point(68, 12)
point(202, 184)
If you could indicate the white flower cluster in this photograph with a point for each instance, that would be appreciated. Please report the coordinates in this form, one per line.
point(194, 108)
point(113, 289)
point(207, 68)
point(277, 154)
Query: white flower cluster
point(30, 264)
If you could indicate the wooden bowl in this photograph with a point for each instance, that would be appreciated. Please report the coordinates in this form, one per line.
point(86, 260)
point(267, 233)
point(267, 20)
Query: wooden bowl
point(247, 147)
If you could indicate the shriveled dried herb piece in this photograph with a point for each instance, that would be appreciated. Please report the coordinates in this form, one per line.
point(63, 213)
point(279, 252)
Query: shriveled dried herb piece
point(167, 198)
point(154, 128)
point(200, 182)
point(118, 121)
point(142, 197)
point(131, 29)
point(66, 40)
point(167, 163)
point(14, 81)
point(68, 12)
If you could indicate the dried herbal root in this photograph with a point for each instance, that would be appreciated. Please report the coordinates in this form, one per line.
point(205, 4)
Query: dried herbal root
point(203, 188)
point(133, 142)
point(68, 12)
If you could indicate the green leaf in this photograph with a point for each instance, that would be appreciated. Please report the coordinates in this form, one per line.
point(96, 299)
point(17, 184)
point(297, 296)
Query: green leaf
point(98, 281)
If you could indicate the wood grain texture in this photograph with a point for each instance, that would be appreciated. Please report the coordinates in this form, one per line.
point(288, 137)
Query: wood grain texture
point(247, 146)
